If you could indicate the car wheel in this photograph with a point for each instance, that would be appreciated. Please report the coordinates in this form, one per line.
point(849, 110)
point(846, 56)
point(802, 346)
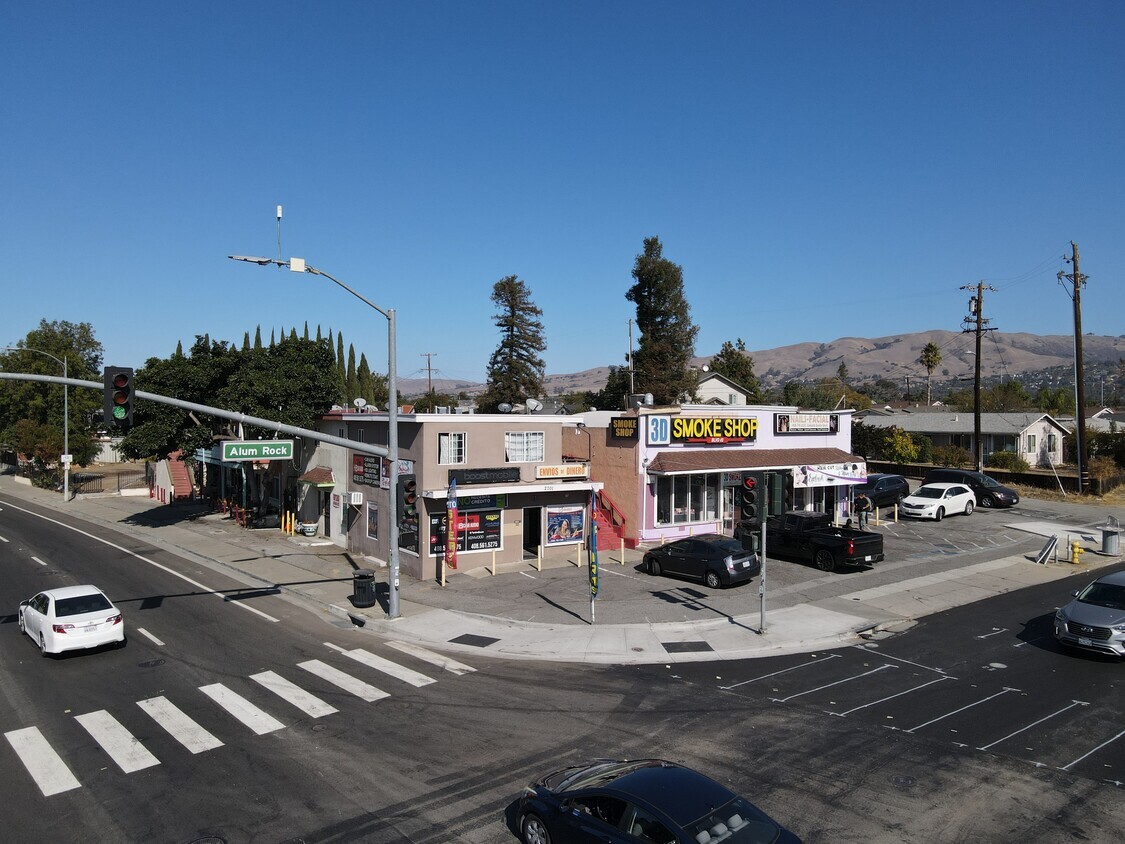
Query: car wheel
point(713, 580)
point(987, 501)
point(534, 830)
point(22, 628)
point(824, 560)
point(654, 568)
point(969, 508)
point(940, 514)
point(42, 645)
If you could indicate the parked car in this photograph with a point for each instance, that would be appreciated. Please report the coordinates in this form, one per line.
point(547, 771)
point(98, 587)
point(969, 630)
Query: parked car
point(712, 558)
point(884, 490)
point(71, 618)
point(936, 501)
point(1095, 619)
point(809, 536)
point(988, 491)
point(648, 800)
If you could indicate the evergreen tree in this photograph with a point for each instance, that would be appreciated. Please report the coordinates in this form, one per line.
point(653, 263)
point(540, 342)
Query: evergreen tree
point(515, 370)
point(734, 363)
point(667, 341)
point(363, 379)
point(614, 395)
point(246, 342)
point(306, 336)
point(258, 337)
point(351, 380)
point(341, 370)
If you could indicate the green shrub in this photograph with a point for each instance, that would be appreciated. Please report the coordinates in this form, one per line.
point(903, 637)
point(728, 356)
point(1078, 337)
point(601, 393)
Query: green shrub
point(1007, 460)
point(953, 456)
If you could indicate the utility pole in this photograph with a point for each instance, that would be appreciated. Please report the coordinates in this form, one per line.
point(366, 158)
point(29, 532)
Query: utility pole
point(1076, 280)
point(632, 389)
point(429, 371)
point(977, 320)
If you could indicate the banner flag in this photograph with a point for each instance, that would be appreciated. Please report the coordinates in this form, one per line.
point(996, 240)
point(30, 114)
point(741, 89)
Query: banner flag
point(451, 525)
point(593, 546)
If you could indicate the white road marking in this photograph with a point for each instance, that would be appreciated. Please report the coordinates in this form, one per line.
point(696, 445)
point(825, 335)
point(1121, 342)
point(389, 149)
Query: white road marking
point(1040, 721)
point(891, 697)
point(883, 655)
point(837, 683)
point(242, 709)
point(122, 747)
point(180, 726)
point(392, 669)
point(144, 632)
point(1095, 750)
point(41, 562)
point(3, 539)
point(307, 702)
point(345, 681)
point(440, 660)
point(995, 631)
point(962, 709)
point(782, 671)
point(152, 563)
point(45, 766)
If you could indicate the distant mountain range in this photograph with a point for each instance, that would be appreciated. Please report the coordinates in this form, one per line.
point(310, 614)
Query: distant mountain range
point(1036, 359)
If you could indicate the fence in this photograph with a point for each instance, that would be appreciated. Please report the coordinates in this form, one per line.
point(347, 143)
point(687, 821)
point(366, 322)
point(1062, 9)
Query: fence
point(1039, 478)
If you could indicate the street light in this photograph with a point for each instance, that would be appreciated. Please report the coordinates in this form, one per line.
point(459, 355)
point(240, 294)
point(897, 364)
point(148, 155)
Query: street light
point(298, 265)
point(66, 415)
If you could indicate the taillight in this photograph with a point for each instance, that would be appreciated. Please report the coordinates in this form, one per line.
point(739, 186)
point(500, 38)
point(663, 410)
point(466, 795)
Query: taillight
point(62, 628)
point(729, 561)
point(851, 546)
point(115, 620)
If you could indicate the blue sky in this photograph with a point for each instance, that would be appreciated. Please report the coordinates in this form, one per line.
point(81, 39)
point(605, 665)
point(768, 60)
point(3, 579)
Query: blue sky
point(818, 169)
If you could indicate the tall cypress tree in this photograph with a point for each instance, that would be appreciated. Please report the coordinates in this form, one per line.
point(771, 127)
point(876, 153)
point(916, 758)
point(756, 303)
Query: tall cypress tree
point(515, 370)
point(667, 341)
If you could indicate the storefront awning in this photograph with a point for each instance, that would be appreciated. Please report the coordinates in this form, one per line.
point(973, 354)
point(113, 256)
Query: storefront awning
point(515, 489)
point(320, 477)
point(684, 462)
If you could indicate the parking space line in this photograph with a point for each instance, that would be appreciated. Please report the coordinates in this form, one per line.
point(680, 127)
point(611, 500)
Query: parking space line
point(995, 632)
point(891, 697)
point(830, 685)
point(1095, 750)
point(962, 709)
point(782, 671)
point(1040, 721)
point(883, 655)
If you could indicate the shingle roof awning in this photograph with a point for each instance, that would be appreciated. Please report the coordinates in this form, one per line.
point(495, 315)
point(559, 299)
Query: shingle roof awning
point(318, 477)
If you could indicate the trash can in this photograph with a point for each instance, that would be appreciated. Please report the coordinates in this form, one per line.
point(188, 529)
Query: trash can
point(363, 588)
point(1111, 539)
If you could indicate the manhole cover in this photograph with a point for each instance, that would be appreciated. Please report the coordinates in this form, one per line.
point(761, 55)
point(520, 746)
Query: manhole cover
point(210, 839)
point(903, 782)
point(156, 663)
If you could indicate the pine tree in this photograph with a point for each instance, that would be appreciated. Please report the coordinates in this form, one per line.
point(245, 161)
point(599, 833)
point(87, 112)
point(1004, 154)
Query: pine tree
point(258, 337)
point(667, 341)
point(341, 367)
point(515, 370)
point(351, 380)
point(734, 363)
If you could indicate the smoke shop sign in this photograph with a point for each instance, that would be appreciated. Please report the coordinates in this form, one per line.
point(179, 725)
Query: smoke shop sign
point(664, 430)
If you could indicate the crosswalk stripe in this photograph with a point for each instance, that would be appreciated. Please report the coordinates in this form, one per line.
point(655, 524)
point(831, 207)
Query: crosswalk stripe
point(395, 670)
point(180, 726)
point(242, 709)
point(440, 660)
point(122, 747)
point(307, 702)
point(45, 766)
point(345, 681)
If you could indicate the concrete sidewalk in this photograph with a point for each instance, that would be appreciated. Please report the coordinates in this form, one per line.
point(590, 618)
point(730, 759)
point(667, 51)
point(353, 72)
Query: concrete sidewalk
point(546, 615)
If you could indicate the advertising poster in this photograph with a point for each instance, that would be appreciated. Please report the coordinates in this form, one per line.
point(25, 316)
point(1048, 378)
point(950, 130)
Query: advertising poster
point(477, 530)
point(565, 524)
point(372, 520)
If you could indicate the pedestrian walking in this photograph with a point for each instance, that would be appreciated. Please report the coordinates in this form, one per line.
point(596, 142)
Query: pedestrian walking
point(862, 508)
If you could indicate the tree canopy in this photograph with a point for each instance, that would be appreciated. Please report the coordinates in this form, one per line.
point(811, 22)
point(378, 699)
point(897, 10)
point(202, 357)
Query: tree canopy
point(735, 363)
point(515, 371)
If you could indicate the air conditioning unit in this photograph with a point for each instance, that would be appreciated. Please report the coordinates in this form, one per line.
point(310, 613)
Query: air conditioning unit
point(355, 498)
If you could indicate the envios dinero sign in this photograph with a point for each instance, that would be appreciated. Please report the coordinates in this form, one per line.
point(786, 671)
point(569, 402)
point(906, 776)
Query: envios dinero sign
point(258, 450)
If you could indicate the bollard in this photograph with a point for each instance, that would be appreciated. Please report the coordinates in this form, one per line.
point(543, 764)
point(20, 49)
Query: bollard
point(539, 558)
point(493, 571)
point(623, 551)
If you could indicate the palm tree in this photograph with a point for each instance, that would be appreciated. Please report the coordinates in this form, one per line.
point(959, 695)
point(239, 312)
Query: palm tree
point(930, 358)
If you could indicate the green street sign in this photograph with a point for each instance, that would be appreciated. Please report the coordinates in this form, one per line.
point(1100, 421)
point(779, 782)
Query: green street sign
point(258, 450)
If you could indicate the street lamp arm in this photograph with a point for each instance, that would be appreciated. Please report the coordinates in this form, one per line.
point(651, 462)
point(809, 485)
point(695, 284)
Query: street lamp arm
point(364, 299)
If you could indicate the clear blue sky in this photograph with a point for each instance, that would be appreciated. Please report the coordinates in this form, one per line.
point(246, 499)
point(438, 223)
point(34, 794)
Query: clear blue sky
point(819, 169)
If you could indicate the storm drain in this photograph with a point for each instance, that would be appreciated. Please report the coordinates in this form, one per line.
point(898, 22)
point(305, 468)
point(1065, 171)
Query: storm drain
point(474, 640)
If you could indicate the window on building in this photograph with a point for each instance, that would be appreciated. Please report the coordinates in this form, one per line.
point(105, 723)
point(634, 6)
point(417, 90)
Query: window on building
point(524, 447)
point(451, 448)
point(1031, 443)
point(1051, 442)
point(683, 499)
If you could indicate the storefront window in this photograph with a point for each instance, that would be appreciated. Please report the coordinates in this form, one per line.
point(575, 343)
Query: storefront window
point(684, 499)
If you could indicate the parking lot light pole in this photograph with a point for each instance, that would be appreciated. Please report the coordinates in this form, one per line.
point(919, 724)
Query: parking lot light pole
point(66, 415)
point(298, 265)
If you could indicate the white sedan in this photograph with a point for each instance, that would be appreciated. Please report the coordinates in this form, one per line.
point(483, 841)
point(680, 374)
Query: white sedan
point(71, 618)
point(935, 501)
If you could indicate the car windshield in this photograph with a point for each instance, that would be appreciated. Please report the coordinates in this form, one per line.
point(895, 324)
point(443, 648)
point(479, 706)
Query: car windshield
point(929, 492)
point(738, 822)
point(725, 545)
point(990, 483)
point(1108, 595)
point(80, 604)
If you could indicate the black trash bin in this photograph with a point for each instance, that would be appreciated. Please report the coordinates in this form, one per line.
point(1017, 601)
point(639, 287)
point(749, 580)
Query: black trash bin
point(363, 586)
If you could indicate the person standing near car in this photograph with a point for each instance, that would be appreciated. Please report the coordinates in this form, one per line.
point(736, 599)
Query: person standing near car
point(862, 507)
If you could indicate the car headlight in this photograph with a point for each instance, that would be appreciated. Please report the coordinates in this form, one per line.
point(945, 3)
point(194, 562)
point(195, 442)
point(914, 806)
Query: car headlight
point(1060, 615)
point(1119, 628)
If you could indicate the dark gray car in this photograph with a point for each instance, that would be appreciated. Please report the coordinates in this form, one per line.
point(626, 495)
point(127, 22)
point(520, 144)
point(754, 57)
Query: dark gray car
point(884, 490)
point(989, 491)
point(1095, 619)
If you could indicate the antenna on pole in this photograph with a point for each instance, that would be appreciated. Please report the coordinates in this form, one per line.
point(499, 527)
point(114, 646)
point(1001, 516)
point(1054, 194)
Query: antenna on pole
point(279, 234)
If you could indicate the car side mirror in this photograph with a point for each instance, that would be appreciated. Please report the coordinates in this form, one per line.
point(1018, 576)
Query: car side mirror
point(24, 604)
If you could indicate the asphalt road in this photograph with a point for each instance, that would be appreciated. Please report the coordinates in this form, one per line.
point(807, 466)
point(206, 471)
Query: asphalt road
point(972, 726)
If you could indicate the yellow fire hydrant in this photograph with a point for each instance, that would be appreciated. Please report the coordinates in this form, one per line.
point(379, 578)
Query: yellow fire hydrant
point(1076, 552)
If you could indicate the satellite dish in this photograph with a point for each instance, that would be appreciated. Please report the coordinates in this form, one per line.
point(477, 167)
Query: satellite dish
point(361, 402)
point(504, 407)
point(534, 405)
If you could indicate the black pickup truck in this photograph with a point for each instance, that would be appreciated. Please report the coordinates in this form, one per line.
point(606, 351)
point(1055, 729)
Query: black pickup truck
point(811, 537)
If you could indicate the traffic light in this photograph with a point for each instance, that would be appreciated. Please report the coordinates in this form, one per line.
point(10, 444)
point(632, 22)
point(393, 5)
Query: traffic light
point(752, 491)
point(787, 490)
point(118, 395)
point(407, 500)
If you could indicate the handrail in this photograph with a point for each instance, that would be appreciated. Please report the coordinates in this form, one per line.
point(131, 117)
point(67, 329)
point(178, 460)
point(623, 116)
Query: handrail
point(607, 503)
